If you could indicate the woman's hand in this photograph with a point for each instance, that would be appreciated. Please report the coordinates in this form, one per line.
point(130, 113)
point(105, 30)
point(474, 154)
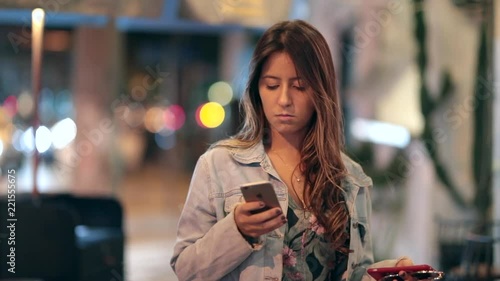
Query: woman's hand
point(256, 224)
point(405, 262)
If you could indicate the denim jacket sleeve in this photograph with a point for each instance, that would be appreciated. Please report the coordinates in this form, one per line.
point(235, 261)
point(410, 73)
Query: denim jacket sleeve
point(361, 212)
point(361, 226)
point(359, 269)
point(208, 245)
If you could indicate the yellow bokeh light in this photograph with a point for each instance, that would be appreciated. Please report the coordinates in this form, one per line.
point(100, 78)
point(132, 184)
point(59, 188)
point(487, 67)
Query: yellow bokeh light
point(220, 92)
point(212, 114)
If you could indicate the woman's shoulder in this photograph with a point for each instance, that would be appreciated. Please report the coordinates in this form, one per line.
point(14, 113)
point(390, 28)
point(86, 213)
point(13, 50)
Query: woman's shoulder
point(216, 152)
point(355, 172)
point(241, 152)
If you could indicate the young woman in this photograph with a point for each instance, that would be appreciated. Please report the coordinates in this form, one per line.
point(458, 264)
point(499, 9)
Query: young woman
point(291, 136)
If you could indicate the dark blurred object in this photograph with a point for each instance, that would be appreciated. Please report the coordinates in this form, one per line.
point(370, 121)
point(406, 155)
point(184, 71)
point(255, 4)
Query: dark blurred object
point(466, 250)
point(479, 10)
point(430, 103)
point(470, 3)
point(477, 259)
point(128, 8)
point(64, 237)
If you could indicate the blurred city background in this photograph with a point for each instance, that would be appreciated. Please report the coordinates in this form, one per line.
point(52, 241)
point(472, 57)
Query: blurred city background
point(133, 92)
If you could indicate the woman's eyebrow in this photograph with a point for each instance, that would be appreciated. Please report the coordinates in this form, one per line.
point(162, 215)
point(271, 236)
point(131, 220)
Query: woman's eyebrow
point(270, 77)
point(277, 78)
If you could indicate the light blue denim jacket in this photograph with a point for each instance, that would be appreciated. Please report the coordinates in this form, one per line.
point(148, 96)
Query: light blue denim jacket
point(209, 245)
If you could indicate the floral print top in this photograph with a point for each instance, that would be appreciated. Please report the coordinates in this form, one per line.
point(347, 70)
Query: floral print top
point(306, 254)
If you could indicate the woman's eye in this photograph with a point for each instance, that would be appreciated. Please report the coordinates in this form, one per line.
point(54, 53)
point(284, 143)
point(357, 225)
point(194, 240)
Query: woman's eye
point(272, 87)
point(300, 88)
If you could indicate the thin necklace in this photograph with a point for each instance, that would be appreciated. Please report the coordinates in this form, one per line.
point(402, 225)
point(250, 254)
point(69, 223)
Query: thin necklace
point(290, 168)
point(297, 178)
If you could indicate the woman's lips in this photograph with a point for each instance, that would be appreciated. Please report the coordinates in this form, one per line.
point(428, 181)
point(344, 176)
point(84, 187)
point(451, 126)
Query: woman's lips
point(285, 117)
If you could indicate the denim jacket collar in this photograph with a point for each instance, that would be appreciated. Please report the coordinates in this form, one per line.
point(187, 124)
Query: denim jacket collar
point(254, 154)
point(351, 183)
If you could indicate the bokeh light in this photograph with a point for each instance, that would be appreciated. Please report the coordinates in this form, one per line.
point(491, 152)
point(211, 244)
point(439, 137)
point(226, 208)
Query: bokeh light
point(63, 103)
point(4, 117)
point(63, 133)
point(25, 104)
point(174, 117)
point(380, 132)
point(38, 15)
point(210, 115)
point(43, 139)
point(28, 141)
point(220, 92)
point(153, 120)
point(10, 106)
point(133, 114)
point(17, 138)
point(165, 141)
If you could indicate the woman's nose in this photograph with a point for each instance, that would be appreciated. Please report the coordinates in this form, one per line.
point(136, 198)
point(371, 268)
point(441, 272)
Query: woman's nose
point(285, 98)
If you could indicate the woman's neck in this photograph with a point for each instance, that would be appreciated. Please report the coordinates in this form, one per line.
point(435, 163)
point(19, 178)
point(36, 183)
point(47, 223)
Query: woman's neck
point(291, 146)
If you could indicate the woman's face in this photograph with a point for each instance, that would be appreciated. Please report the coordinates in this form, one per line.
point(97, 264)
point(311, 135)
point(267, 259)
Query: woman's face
point(285, 97)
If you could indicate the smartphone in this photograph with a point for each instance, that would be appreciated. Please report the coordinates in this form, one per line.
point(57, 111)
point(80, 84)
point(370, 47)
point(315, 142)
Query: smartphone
point(420, 269)
point(260, 191)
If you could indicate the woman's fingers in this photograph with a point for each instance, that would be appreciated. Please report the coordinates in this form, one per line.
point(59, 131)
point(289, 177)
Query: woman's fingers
point(251, 206)
point(269, 221)
point(404, 262)
point(406, 277)
point(256, 224)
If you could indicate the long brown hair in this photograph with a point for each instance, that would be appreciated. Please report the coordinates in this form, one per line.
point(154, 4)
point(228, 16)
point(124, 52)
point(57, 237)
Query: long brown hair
point(321, 159)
